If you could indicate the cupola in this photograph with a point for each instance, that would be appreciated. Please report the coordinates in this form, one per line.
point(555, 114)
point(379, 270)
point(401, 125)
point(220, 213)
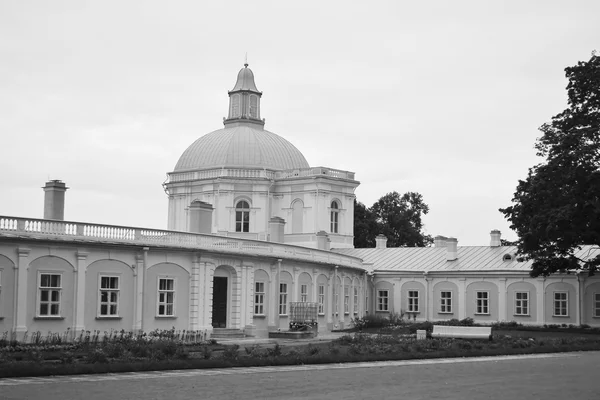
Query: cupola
point(244, 100)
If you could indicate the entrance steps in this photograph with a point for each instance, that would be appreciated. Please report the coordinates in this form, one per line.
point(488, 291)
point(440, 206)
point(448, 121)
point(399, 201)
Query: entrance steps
point(227, 333)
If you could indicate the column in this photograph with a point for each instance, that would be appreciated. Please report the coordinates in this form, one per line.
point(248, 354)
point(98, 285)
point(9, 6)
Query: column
point(429, 298)
point(273, 299)
point(540, 290)
point(79, 303)
point(329, 311)
point(138, 299)
point(502, 299)
point(295, 284)
point(206, 309)
point(315, 286)
point(581, 299)
point(195, 294)
point(578, 294)
point(243, 289)
point(249, 328)
point(20, 307)
point(462, 298)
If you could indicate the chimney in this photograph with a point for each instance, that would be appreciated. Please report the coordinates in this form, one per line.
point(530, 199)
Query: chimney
point(322, 240)
point(200, 215)
point(451, 249)
point(54, 200)
point(495, 238)
point(276, 225)
point(439, 241)
point(380, 241)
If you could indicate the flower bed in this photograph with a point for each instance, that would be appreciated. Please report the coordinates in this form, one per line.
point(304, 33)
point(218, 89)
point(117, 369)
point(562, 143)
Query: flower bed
point(163, 353)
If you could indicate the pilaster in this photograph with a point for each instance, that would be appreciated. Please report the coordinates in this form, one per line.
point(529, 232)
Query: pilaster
point(502, 312)
point(428, 298)
point(195, 294)
point(540, 290)
point(141, 260)
point(22, 268)
point(462, 298)
point(79, 309)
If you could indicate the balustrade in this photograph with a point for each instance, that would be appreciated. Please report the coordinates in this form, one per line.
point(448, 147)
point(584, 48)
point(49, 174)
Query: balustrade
point(148, 237)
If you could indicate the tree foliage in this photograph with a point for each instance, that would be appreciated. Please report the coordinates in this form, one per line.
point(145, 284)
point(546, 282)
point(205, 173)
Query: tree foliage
point(556, 209)
point(396, 216)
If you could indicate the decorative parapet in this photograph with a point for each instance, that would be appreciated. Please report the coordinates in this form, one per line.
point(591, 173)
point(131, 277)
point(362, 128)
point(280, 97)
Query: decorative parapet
point(175, 177)
point(77, 231)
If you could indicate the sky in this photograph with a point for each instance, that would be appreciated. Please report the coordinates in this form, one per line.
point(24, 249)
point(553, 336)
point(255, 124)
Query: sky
point(444, 98)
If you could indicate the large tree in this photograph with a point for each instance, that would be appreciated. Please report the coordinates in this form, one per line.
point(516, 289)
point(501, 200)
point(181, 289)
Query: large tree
point(396, 216)
point(556, 209)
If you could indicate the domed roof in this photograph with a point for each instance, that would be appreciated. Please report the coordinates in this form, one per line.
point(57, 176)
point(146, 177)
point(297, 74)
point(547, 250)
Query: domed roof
point(245, 80)
point(241, 146)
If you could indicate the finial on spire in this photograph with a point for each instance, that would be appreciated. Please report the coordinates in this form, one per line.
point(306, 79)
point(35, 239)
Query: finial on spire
point(246, 60)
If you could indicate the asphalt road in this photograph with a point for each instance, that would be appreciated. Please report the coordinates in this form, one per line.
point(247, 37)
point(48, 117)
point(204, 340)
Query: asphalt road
point(572, 376)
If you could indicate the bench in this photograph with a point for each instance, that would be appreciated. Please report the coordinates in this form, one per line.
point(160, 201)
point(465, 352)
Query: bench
point(462, 332)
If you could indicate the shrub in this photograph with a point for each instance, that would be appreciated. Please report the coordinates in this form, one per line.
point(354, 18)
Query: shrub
point(67, 357)
point(311, 350)
point(206, 352)
point(97, 355)
point(231, 353)
point(275, 351)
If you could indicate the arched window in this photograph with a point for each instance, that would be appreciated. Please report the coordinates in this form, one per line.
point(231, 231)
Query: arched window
point(235, 106)
point(334, 218)
point(297, 217)
point(253, 106)
point(242, 216)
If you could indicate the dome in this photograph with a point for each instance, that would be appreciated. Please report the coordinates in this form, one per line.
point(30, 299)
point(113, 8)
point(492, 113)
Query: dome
point(241, 146)
point(245, 80)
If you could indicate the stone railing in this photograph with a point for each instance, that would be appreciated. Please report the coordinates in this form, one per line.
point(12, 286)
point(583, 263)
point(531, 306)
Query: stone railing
point(67, 230)
point(258, 173)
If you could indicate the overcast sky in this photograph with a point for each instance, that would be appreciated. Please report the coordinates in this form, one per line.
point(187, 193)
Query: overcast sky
point(444, 98)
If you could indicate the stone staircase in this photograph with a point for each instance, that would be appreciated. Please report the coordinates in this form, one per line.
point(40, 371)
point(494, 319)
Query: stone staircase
point(227, 333)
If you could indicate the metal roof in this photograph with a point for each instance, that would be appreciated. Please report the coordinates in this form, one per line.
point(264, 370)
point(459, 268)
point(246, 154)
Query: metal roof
point(432, 259)
point(241, 146)
point(245, 80)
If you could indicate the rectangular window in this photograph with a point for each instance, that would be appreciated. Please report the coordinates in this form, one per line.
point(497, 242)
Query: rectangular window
point(383, 300)
point(303, 293)
point(483, 303)
point(367, 304)
point(259, 298)
point(413, 301)
point(49, 292)
point(346, 300)
point(283, 299)
point(321, 300)
point(355, 301)
point(596, 304)
point(446, 302)
point(337, 303)
point(0, 293)
point(109, 296)
point(166, 297)
point(561, 304)
point(521, 303)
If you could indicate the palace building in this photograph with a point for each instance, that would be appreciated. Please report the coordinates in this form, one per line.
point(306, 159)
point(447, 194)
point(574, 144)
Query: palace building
point(252, 228)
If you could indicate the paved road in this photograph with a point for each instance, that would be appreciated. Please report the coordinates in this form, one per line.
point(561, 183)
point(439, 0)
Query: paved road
point(570, 376)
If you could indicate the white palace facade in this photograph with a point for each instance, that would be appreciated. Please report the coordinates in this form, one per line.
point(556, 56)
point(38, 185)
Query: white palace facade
point(251, 228)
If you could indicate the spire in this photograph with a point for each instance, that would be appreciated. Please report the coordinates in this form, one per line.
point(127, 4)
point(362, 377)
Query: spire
point(244, 99)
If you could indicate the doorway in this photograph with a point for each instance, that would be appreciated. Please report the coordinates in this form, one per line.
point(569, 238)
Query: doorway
point(219, 314)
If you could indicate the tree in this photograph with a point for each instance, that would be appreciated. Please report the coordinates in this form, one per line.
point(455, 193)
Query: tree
point(556, 209)
point(397, 217)
point(365, 226)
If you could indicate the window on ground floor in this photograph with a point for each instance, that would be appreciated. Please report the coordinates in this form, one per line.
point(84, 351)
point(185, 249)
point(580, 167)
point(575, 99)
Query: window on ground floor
point(482, 302)
point(283, 292)
point(259, 298)
point(446, 302)
point(108, 296)
point(521, 303)
point(413, 301)
point(561, 304)
point(383, 300)
point(49, 295)
point(321, 300)
point(346, 300)
point(355, 301)
point(304, 293)
point(166, 297)
point(596, 304)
